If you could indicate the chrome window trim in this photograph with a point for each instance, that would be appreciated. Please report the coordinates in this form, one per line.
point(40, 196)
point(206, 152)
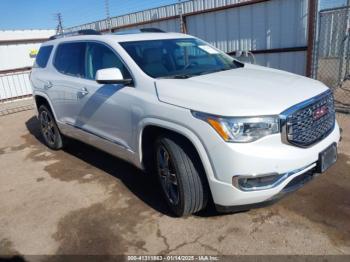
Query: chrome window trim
point(284, 115)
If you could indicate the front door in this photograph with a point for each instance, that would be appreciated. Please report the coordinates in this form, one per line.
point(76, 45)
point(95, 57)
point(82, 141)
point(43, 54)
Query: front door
point(105, 110)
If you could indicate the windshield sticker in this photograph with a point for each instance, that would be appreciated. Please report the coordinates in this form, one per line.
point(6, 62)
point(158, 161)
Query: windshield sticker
point(185, 44)
point(208, 49)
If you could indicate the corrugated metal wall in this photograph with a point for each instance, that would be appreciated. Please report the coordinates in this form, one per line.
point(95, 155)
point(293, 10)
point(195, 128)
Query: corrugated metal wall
point(294, 62)
point(170, 25)
point(157, 13)
point(267, 25)
point(260, 26)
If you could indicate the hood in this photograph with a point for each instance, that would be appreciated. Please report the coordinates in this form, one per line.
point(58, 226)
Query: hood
point(247, 91)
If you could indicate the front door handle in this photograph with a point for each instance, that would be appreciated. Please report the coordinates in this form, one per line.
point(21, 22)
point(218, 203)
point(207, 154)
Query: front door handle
point(82, 92)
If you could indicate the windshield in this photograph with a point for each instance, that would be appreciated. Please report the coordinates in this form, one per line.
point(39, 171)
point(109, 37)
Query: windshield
point(178, 58)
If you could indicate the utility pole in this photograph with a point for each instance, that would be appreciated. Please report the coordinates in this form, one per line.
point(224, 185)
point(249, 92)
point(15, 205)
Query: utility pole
point(182, 24)
point(108, 16)
point(59, 28)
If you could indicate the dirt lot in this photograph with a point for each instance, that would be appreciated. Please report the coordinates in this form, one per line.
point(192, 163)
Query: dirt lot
point(83, 201)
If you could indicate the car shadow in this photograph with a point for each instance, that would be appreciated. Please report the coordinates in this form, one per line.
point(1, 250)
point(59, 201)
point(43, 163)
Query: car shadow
point(142, 185)
point(12, 259)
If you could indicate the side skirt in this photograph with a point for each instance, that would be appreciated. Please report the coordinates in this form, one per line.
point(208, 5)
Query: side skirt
point(114, 148)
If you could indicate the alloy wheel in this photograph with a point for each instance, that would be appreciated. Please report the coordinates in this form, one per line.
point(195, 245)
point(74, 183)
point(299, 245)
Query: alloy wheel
point(167, 174)
point(48, 128)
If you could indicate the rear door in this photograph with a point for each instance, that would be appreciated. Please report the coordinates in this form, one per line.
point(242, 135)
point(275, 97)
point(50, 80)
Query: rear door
point(68, 82)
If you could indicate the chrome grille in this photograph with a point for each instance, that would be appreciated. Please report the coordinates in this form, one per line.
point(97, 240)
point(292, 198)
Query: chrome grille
point(312, 122)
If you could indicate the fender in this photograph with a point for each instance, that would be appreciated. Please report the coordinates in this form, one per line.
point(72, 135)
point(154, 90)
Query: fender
point(190, 135)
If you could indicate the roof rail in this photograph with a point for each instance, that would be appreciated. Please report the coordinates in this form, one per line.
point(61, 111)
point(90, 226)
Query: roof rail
point(140, 30)
point(79, 32)
point(151, 30)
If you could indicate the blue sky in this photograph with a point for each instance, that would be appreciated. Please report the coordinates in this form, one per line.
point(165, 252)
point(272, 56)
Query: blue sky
point(39, 14)
point(331, 3)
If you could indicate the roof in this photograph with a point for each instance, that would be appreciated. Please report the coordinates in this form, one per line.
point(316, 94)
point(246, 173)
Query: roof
point(12, 35)
point(122, 38)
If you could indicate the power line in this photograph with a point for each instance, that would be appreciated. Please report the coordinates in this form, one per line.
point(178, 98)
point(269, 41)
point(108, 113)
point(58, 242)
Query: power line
point(108, 16)
point(59, 28)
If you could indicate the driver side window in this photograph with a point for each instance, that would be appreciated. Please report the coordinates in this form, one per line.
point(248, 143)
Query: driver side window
point(99, 56)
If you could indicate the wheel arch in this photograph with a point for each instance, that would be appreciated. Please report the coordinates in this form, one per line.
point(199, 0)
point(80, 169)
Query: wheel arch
point(151, 128)
point(43, 99)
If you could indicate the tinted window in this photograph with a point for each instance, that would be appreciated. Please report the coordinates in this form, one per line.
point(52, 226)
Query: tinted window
point(69, 59)
point(99, 56)
point(43, 56)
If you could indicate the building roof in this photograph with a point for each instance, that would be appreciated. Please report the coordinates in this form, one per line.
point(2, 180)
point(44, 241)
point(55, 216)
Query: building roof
point(13, 35)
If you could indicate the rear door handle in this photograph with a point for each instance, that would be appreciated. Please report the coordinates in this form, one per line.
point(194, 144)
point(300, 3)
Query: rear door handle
point(82, 92)
point(48, 85)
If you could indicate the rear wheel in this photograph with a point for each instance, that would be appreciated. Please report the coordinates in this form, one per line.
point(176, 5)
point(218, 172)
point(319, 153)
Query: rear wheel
point(49, 130)
point(181, 175)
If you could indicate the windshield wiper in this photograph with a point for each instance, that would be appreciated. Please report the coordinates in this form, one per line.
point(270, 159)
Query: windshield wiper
point(184, 76)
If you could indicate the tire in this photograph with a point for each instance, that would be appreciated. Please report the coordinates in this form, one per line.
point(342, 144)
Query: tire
point(182, 179)
point(49, 130)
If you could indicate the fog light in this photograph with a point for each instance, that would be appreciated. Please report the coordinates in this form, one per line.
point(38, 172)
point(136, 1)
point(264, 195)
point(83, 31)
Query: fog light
point(256, 183)
point(264, 181)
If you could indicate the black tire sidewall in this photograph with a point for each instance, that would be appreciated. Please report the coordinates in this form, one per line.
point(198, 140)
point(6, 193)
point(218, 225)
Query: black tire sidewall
point(58, 141)
point(192, 187)
point(177, 209)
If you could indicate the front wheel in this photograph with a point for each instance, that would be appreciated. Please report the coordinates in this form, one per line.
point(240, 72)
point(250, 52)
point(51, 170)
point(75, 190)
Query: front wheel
point(49, 130)
point(181, 175)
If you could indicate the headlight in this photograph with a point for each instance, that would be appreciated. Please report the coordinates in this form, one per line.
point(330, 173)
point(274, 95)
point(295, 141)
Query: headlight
point(241, 129)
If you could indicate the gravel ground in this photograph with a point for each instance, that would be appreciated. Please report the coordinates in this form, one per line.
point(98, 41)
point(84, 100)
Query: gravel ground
point(83, 201)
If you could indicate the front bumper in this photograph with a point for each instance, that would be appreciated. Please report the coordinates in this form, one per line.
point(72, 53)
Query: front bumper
point(296, 183)
point(267, 155)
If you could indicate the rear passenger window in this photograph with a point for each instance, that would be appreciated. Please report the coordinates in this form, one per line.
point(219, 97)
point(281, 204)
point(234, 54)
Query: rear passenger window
point(99, 56)
point(69, 59)
point(43, 56)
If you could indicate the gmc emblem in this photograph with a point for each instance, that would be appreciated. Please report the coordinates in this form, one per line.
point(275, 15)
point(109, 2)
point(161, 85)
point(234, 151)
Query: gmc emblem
point(320, 112)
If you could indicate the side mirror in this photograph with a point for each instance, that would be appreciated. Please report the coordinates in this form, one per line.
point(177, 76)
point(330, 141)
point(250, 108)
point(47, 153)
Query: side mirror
point(111, 76)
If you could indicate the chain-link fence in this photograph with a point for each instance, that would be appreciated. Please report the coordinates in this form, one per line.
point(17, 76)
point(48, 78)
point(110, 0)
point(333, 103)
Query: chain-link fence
point(333, 54)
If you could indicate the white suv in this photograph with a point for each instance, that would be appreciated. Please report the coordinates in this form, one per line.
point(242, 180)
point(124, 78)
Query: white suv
point(210, 127)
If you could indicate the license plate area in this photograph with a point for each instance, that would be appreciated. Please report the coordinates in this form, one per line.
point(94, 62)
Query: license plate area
point(327, 158)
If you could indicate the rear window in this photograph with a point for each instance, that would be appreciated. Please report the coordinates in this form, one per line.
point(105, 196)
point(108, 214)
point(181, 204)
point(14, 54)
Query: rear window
point(69, 59)
point(43, 56)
